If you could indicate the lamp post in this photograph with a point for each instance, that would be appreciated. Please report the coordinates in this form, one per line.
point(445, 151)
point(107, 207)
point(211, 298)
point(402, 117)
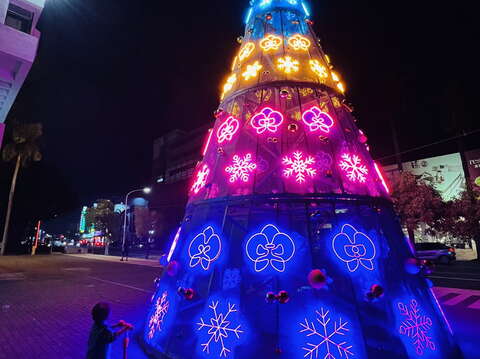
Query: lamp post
point(145, 190)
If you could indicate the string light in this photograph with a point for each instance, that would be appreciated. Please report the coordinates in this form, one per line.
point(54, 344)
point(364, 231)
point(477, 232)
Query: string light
point(229, 84)
point(318, 69)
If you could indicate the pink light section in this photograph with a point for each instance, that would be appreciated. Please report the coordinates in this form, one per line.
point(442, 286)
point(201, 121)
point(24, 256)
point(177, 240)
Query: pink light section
point(267, 120)
point(379, 173)
point(240, 168)
point(207, 143)
point(299, 166)
point(227, 130)
point(200, 179)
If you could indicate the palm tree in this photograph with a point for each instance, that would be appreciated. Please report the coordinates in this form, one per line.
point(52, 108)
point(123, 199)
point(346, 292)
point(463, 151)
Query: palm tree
point(22, 149)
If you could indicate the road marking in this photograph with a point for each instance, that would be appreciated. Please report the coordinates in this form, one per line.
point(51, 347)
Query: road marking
point(12, 276)
point(455, 278)
point(460, 296)
point(457, 299)
point(121, 285)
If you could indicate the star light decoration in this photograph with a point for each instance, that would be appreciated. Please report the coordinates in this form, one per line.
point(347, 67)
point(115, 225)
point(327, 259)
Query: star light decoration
point(288, 64)
point(246, 51)
point(352, 164)
point(330, 340)
point(270, 42)
point(299, 42)
point(252, 71)
point(200, 179)
point(219, 328)
point(161, 310)
point(416, 326)
point(318, 69)
point(241, 168)
point(229, 85)
point(298, 166)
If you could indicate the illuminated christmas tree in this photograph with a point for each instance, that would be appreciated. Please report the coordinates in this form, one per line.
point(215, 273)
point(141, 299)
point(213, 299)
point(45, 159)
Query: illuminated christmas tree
point(290, 246)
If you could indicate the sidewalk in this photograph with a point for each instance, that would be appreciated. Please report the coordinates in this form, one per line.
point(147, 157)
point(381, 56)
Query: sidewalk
point(137, 261)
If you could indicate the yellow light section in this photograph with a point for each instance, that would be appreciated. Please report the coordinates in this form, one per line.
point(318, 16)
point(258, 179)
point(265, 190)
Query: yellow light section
point(299, 42)
point(252, 71)
point(327, 58)
point(229, 84)
point(341, 87)
point(270, 42)
point(288, 64)
point(234, 64)
point(318, 69)
point(246, 51)
point(335, 77)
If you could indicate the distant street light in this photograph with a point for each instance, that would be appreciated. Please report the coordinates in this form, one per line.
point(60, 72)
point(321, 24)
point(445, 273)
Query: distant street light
point(145, 190)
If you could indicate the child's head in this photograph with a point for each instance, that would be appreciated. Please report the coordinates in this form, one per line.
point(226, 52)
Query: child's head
point(100, 312)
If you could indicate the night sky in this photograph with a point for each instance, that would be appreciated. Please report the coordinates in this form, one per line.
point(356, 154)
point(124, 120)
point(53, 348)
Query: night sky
point(111, 75)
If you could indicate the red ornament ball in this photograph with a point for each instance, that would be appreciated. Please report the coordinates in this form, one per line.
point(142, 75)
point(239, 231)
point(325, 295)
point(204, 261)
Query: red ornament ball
point(412, 266)
point(283, 297)
point(376, 291)
point(189, 293)
point(317, 279)
point(172, 268)
point(270, 297)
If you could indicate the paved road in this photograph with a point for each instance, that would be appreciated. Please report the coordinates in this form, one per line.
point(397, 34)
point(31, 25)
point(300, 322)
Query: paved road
point(464, 275)
point(45, 303)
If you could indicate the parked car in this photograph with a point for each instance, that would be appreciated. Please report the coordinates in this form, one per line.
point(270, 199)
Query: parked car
point(436, 252)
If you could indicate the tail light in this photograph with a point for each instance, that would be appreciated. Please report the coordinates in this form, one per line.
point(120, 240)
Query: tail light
point(451, 250)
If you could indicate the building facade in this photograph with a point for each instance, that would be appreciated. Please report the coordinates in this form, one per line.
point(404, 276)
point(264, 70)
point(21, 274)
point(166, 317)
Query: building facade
point(176, 154)
point(19, 40)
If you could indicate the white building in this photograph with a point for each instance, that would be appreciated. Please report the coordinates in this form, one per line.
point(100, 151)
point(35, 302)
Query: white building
point(18, 47)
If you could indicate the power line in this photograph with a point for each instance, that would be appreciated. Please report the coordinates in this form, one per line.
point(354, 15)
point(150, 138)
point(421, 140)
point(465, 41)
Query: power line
point(431, 144)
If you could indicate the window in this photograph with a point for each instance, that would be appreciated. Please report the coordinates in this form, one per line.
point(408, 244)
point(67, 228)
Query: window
point(19, 18)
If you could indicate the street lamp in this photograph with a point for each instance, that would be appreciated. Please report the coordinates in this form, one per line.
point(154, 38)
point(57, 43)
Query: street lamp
point(145, 190)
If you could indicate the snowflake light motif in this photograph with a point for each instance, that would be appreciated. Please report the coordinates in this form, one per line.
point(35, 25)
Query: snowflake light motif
point(252, 71)
point(229, 84)
point(156, 320)
point(299, 42)
point(201, 179)
point(328, 339)
point(240, 168)
point(299, 166)
point(318, 69)
point(416, 326)
point(352, 164)
point(219, 328)
point(288, 64)
point(227, 130)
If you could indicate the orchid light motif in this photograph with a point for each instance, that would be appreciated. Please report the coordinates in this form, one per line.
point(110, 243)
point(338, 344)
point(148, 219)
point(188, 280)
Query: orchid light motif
point(246, 51)
point(204, 249)
point(270, 247)
point(288, 64)
point(267, 120)
point(299, 42)
point(227, 130)
point(270, 42)
point(354, 248)
point(316, 119)
point(318, 69)
point(252, 71)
